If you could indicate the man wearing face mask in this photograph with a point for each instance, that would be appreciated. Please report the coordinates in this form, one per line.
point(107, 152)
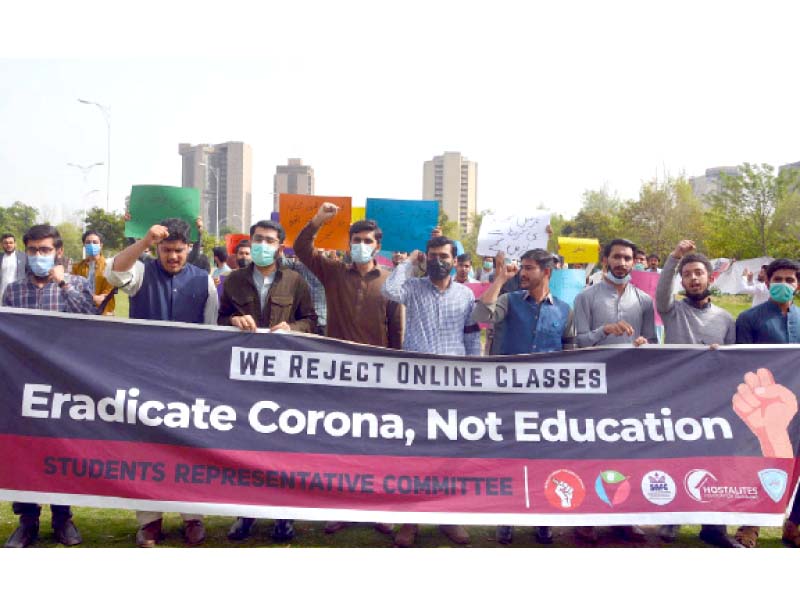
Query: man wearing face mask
point(92, 268)
point(46, 287)
point(776, 321)
point(438, 321)
point(166, 289)
point(487, 270)
point(262, 295)
point(695, 320)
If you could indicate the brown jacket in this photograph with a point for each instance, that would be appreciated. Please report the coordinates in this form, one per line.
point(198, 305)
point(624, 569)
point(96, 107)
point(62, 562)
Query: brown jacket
point(357, 311)
point(288, 299)
point(101, 284)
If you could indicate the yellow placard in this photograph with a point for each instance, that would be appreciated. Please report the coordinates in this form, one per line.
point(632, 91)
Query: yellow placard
point(358, 213)
point(579, 250)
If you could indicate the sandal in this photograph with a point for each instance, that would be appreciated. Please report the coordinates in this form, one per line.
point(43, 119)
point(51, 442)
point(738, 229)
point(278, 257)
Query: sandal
point(791, 534)
point(747, 535)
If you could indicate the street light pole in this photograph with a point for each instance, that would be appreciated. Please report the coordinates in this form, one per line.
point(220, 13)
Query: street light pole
point(106, 110)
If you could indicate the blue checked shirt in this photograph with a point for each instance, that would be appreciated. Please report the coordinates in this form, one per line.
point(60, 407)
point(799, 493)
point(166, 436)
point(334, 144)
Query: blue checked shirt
point(74, 297)
point(435, 320)
point(316, 287)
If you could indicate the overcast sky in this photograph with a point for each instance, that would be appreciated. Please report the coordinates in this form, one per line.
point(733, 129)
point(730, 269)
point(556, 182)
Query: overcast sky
point(550, 99)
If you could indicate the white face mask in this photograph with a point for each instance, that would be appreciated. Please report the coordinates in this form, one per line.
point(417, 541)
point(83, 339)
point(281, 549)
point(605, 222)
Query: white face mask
point(361, 253)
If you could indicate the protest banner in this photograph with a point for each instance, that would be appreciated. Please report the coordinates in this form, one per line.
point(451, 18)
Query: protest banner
point(579, 250)
point(296, 210)
point(647, 281)
point(232, 241)
point(358, 213)
point(406, 224)
point(565, 284)
point(151, 204)
point(299, 426)
point(513, 235)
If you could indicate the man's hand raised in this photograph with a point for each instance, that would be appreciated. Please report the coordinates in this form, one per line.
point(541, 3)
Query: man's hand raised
point(325, 213)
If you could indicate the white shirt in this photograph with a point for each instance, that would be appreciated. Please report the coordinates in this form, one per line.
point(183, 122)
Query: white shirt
point(9, 272)
point(758, 290)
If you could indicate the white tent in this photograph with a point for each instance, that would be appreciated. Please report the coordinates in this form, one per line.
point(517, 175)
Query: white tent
point(729, 273)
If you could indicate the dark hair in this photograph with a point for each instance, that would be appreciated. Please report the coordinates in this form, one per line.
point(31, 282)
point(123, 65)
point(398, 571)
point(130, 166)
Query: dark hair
point(367, 225)
point(270, 225)
point(8, 235)
point(462, 258)
point(619, 242)
point(91, 232)
point(243, 244)
point(782, 263)
point(203, 263)
point(40, 232)
point(441, 240)
point(690, 258)
point(178, 230)
point(220, 252)
point(541, 257)
point(656, 256)
point(639, 252)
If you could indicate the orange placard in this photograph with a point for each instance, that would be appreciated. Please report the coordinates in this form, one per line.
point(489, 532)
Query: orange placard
point(298, 209)
point(232, 240)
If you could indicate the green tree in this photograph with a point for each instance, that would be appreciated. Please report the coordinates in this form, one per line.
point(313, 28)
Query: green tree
point(110, 225)
point(17, 219)
point(599, 217)
point(71, 237)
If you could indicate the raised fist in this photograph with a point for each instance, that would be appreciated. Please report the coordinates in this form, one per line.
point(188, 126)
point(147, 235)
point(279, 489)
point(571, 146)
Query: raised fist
point(767, 408)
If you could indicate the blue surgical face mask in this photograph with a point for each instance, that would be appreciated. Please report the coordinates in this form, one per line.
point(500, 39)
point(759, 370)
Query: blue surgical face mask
point(781, 292)
point(92, 249)
point(361, 253)
point(618, 280)
point(41, 265)
point(263, 254)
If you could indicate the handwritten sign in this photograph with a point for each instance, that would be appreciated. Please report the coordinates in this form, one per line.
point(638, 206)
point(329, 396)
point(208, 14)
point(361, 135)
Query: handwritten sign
point(232, 241)
point(406, 224)
point(565, 284)
point(358, 213)
point(296, 210)
point(647, 281)
point(151, 204)
point(579, 250)
point(513, 235)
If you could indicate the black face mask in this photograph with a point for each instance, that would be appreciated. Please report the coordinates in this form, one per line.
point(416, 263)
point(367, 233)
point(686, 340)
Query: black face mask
point(243, 262)
point(438, 270)
point(699, 297)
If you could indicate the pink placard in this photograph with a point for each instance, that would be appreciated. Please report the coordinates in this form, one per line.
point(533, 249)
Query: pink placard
point(477, 290)
point(647, 282)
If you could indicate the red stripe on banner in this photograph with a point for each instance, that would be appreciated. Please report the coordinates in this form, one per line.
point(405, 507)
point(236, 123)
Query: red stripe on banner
point(390, 483)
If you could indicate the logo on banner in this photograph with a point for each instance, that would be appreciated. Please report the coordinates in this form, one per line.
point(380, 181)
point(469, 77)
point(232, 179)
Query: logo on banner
point(703, 486)
point(658, 488)
point(774, 482)
point(612, 487)
point(564, 489)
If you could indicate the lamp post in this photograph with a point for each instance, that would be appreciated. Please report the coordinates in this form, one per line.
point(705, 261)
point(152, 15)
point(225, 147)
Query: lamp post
point(85, 169)
point(106, 110)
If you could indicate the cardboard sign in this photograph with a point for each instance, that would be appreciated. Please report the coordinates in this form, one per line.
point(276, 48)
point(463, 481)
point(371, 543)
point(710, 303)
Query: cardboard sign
point(406, 224)
point(358, 213)
point(151, 204)
point(513, 235)
point(298, 209)
point(232, 241)
point(565, 284)
point(647, 281)
point(579, 250)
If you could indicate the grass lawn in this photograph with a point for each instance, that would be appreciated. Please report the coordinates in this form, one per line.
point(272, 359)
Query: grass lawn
point(108, 528)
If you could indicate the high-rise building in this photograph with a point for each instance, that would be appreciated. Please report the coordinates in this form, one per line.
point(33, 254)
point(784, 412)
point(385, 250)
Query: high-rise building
point(294, 178)
point(711, 182)
point(453, 180)
point(224, 175)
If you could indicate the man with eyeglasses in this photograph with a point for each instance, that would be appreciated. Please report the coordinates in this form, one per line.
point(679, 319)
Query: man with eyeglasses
point(46, 287)
point(166, 289)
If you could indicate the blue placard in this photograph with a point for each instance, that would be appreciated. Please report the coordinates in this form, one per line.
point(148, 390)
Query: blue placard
point(406, 224)
point(565, 284)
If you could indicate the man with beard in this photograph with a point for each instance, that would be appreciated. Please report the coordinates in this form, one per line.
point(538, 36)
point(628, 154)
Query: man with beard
point(695, 320)
point(758, 289)
point(535, 321)
point(615, 312)
point(438, 321)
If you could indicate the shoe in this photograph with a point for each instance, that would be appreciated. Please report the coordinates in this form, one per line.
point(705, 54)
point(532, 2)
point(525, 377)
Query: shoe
point(283, 531)
point(669, 533)
point(791, 534)
point(714, 536)
point(631, 533)
point(149, 535)
point(456, 533)
point(586, 534)
point(66, 533)
point(544, 535)
point(747, 536)
point(504, 534)
point(384, 528)
point(334, 526)
point(406, 536)
point(24, 535)
point(194, 532)
point(241, 529)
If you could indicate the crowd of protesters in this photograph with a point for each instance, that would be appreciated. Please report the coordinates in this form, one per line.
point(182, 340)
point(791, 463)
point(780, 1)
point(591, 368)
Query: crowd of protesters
point(418, 305)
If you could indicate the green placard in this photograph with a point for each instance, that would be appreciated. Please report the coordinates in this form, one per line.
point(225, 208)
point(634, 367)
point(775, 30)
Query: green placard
point(151, 204)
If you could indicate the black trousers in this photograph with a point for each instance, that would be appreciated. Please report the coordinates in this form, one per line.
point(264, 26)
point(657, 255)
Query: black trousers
point(59, 512)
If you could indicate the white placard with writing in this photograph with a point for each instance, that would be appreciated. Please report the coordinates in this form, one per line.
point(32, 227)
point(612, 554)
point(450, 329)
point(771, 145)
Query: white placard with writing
point(513, 235)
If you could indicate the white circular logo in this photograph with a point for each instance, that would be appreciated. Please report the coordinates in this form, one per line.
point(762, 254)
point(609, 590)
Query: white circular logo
point(658, 487)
